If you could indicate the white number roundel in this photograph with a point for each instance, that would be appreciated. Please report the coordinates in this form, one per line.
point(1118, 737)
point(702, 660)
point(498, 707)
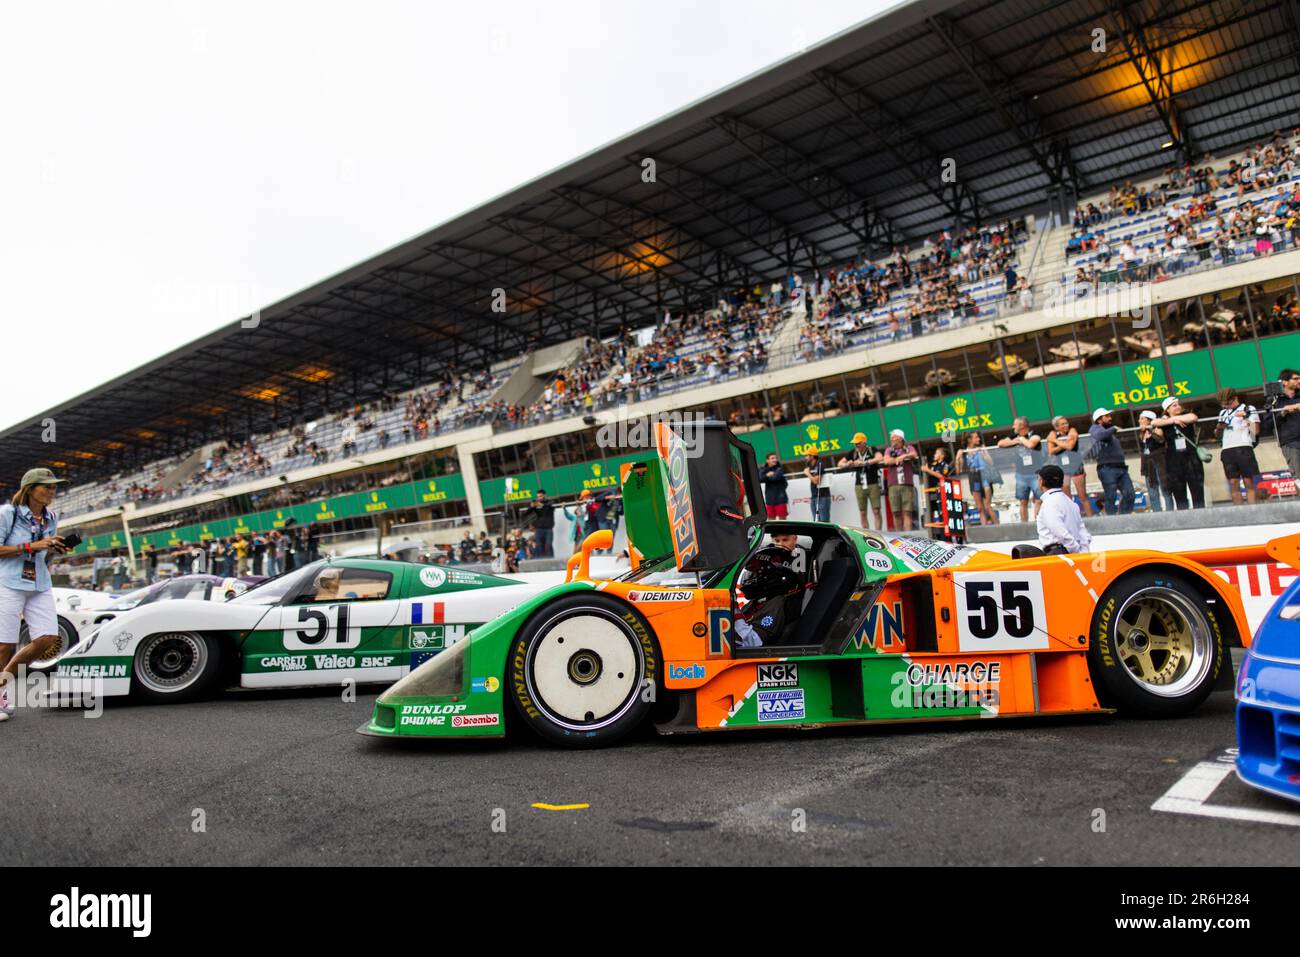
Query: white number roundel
point(878, 562)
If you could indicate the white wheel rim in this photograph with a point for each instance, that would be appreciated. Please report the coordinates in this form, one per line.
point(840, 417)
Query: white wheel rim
point(171, 662)
point(583, 670)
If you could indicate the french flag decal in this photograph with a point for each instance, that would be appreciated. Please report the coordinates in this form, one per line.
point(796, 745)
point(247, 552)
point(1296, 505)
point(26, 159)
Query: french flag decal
point(426, 613)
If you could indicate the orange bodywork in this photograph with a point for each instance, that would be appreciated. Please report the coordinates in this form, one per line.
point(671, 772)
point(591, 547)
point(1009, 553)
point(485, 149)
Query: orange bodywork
point(913, 623)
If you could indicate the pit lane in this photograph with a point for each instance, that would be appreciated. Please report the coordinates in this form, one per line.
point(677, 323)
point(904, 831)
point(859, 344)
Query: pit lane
point(280, 778)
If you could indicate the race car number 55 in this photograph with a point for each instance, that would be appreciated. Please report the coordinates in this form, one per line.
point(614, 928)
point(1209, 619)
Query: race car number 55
point(322, 627)
point(1000, 611)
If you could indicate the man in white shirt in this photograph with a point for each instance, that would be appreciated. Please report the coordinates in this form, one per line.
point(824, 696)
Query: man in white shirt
point(1238, 428)
point(1060, 524)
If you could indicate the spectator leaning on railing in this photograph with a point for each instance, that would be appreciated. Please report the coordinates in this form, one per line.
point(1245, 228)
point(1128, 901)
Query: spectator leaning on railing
point(1184, 468)
point(900, 462)
point(1029, 459)
point(1287, 411)
point(1151, 441)
point(1112, 469)
point(28, 536)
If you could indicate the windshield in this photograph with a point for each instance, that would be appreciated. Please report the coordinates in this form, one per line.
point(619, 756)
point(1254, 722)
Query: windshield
point(660, 571)
point(273, 590)
point(130, 599)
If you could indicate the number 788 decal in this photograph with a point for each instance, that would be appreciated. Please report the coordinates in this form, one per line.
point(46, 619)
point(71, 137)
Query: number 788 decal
point(1000, 611)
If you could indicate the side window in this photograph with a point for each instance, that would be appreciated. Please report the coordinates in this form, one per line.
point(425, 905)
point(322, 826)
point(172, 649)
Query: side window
point(185, 590)
point(333, 584)
point(193, 590)
point(736, 469)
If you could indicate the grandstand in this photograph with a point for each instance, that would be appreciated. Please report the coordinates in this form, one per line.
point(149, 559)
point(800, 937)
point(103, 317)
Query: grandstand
point(800, 254)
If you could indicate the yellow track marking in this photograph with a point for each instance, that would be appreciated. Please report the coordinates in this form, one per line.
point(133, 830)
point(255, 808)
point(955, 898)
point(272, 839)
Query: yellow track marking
point(561, 807)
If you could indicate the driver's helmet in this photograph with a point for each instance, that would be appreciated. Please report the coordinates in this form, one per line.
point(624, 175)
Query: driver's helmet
point(230, 587)
point(768, 574)
point(329, 578)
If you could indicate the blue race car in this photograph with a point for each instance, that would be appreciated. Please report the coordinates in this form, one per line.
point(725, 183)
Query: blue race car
point(1268, 702)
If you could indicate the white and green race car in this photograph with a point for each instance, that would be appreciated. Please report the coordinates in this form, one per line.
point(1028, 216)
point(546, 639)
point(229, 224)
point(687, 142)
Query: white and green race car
point(328, 623)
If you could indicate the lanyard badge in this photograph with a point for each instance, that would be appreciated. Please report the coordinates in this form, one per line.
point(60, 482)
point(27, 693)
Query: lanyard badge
point(29, 563)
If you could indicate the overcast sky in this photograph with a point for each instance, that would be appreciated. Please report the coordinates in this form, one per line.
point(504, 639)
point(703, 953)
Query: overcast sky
point(170, 166)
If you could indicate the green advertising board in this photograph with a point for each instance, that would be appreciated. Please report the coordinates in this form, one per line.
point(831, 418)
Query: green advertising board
point(566, 482)
point(446, 488)
point(830, 436)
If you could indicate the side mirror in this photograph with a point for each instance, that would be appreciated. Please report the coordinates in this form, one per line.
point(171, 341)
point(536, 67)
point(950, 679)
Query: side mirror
point(579, 564)
point(74, 602)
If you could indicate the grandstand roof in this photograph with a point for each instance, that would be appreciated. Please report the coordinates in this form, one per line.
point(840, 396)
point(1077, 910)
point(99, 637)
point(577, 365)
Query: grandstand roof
point(833, 153)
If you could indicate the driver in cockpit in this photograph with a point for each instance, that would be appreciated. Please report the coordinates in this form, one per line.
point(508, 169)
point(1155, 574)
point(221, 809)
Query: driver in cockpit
point(770, 588)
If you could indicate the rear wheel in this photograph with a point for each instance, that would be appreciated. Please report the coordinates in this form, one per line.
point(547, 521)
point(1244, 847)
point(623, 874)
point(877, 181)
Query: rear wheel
point(176, 666)
point(583, 671)
point(1157, 646)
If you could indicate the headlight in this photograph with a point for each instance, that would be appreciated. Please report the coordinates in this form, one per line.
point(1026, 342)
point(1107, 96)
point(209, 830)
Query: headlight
point(83, 646)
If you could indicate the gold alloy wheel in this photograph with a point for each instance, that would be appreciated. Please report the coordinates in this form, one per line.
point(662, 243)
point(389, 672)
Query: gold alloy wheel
point(1163, 640)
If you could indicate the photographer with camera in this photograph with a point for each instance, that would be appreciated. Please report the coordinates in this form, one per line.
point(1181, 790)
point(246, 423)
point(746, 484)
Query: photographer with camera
point(27, 538)
point(1285, 406)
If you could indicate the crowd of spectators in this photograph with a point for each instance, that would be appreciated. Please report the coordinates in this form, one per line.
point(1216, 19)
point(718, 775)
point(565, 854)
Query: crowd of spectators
point(703, 346)
point(1263, 217)
point(924, 287)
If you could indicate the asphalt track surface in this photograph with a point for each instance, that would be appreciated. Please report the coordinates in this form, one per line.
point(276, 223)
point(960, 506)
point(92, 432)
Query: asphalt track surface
point(281, 778)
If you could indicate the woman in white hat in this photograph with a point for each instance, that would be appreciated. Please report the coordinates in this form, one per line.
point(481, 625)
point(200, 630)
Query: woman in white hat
point(1184, 473)
point(27, 536)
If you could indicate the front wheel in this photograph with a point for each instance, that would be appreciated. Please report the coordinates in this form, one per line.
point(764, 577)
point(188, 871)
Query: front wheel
point(176, 666)
point(67, 638)
point(583, 671)
point(1157, 646)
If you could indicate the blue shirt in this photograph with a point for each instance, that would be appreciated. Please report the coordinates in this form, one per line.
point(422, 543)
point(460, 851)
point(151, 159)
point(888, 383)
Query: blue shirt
point(24, 524)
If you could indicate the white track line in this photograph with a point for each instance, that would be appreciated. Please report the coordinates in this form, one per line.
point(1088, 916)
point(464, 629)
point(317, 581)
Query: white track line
point(1193, 789)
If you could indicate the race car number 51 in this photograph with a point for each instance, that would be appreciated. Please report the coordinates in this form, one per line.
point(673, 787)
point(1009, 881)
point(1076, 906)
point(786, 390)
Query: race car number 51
point(320, 628)
point(1000, 611)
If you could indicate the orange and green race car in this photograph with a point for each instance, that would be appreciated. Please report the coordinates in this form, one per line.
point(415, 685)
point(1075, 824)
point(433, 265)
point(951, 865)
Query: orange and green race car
point(739, 622)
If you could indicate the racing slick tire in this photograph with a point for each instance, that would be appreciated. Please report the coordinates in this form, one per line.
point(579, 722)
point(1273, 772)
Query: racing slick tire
point(584, 671)
point(67, 638)
point(175, 666)
point(1157, 647)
